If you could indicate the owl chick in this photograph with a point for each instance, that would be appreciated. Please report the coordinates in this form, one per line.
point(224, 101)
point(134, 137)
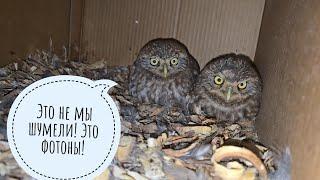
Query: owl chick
point(228, 88)
point(163, 73)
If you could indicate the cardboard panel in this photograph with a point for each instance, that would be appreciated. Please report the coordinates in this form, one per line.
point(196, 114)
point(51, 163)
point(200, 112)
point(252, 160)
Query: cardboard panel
point(288, 56)
point(27, 25)
point(211, 28)
point(116, 30)
point(75, 28)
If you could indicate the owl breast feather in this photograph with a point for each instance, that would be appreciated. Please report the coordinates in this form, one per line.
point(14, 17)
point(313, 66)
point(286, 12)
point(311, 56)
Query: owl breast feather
point(152, 89)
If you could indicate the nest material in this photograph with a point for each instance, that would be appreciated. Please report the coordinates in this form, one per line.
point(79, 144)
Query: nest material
point(156, 142)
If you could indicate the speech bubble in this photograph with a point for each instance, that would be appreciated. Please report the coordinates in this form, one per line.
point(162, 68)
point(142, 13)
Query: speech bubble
point(64, 127)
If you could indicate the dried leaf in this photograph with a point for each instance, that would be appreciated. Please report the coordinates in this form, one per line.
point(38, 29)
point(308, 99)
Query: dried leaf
point(125, 147)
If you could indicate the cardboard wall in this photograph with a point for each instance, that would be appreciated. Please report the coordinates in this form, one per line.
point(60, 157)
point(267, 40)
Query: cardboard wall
point(28, 25)
point(116, 30)
point(288, 56)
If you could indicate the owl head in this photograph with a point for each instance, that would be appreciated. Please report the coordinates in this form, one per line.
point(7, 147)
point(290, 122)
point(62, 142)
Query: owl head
point(164, 57)
point(231, 79)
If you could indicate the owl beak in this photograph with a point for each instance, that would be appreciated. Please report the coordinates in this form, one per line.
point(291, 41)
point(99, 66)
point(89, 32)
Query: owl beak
point(165, 70)
point(229, 93)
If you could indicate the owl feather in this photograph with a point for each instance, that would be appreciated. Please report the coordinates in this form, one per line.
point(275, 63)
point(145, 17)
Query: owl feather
point(163, 73)
point(228, 88)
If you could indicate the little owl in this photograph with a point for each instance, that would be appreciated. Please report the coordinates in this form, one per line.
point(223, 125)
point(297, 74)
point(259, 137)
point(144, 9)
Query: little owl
point(163, 73)
point(228, 88)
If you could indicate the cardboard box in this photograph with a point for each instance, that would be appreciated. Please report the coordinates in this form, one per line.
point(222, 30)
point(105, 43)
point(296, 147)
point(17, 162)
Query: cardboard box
point(285, 49)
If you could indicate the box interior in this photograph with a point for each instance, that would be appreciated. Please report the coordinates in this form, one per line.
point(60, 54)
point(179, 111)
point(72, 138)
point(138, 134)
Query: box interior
point(281, 37)
point(288, 58)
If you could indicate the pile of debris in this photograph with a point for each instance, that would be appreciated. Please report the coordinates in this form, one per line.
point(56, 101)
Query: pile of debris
point(156, 142)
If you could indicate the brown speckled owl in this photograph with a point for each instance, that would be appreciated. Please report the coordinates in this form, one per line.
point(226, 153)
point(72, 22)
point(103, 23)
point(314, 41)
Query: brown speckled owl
point(163, 73)
point(228, 88)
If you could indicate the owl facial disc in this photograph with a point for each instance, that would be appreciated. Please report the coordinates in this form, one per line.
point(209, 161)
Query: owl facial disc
point(229, 88)
point(163, 73)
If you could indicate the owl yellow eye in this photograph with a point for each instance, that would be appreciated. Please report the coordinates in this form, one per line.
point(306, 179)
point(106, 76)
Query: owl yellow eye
point(174, 61)
point(218, 80)
point(242, 85)
point(154, 61)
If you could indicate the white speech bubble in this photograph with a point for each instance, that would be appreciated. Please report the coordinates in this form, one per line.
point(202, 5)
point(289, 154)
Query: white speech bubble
point(49, 143)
